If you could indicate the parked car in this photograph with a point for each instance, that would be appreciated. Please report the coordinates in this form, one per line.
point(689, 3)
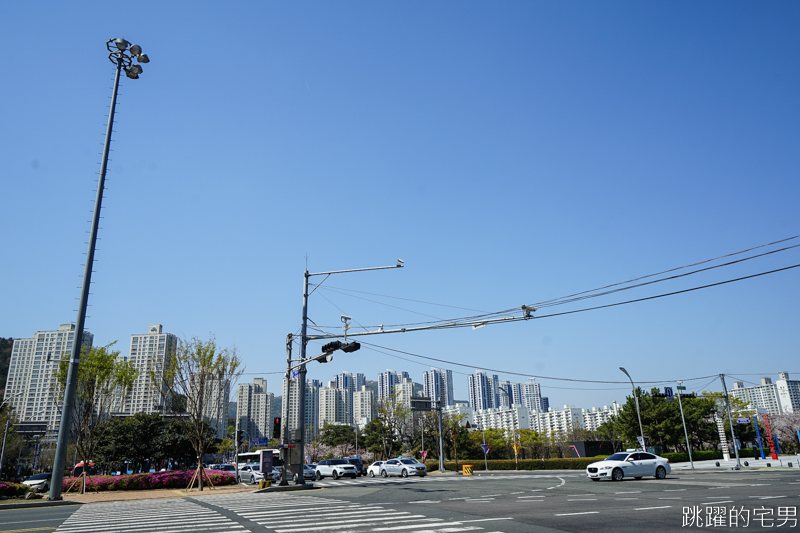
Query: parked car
point(335, 468)
point(404, 467)
point(374, 469)
point(361, 470)
point(225, 468)
point(250, 473)
point(39, 482)
point(636, 465)
point(308, 473)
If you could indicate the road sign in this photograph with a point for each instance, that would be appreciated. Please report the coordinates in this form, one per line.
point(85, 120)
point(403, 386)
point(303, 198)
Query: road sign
point(424, 456)
point(680, 387)
point(467, 426)
point(668, 392)
point(516, 448)
point(743, 420)
point(485, 448)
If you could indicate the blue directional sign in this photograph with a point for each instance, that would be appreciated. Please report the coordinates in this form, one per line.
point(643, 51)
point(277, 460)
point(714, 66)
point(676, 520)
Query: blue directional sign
point(668, 392)
point(485, 448)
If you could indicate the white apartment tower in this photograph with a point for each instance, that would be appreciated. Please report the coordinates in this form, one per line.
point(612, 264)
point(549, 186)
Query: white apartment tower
point(406, 390)
point(291, 408)
point(31, 388)
point(437, 384)
point(387, 381)
point(148, 353)
point(254, 408)
point(212, 394)
point(349, 383)
point(363, 406)
point(532, 396)
point(333, 405)
point(780, 397)
point(483, 391)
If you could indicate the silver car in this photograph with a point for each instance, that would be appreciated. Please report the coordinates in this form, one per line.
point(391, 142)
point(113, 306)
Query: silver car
point(636, 465)
point(251, 474)
point(404, 467)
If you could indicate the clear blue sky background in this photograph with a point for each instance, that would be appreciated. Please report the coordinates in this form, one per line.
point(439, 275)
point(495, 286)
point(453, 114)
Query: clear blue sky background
point(509, 152)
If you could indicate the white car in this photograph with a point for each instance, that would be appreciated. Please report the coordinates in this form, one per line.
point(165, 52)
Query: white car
point(404, 466)
point(38, 482)
point(335, 468)
point(374, 469)
point(636, 465)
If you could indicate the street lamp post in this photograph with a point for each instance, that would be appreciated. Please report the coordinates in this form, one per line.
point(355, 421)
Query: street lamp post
point(121, 54)
point(686, 433)
point(301, 379)
point(638, 413)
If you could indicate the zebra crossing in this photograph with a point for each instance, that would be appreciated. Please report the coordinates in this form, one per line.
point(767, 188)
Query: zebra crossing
point(297, 514)
point(173, 515)
point(275, 512)
point(331, 483)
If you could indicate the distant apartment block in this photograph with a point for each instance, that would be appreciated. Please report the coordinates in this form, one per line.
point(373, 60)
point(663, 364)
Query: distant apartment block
point(333, 405)
point(363, 406)
point(291, 408)
point(210, 394)
point(31, 388)
point(148, 354)
point(783, 396)
point(387, 381)
point(406, 390)
point(483, 393)
point(509, 419)
point(595, 417)
point(437, 384)
point(557, 421)
point(254, 409)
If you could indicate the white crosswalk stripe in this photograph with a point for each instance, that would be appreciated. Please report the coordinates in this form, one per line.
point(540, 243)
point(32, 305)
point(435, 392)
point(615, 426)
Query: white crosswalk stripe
point(295, 514)
point(148, 516)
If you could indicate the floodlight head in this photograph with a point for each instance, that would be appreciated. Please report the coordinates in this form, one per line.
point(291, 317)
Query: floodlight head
point(136, 50)
point(131, 74)
point(142, 58)
point(136, 69)
point(121, 44)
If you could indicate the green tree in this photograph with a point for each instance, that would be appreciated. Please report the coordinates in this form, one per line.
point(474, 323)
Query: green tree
point(201, 372)
point(384, 433)
point(103, 383)
point(130, 439)
point(339, 435)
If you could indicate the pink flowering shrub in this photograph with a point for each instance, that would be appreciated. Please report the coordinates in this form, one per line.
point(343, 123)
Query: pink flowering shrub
point(12, 489)
point(177, 479)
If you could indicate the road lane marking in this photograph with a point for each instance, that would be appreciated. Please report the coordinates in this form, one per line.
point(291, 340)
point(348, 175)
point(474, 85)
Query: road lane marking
point(490, 495)
point(675, 498)
point(583, 500)
point(626, 498)
point(717, 502)
point(523, 492)
point(673, 490)
point(630, 492)
point(573, 514)
point(427, 501)
point(648, 508)
point(532, 496)
point(766, 497)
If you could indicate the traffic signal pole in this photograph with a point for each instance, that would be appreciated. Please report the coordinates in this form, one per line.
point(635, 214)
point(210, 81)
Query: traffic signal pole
point(301, 384)
point(686, 433)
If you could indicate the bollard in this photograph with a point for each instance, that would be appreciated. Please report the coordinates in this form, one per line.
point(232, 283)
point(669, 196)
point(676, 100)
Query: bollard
point(746, 463)
point(263, 484)
point(717, 463)
point(467, 470)
point(769, 464)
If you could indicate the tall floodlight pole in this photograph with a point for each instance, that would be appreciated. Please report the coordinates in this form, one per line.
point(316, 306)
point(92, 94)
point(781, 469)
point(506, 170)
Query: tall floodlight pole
point(686, 433)
point(638, 413)
point(301, 396)
point(121, 54)
point(730, 421)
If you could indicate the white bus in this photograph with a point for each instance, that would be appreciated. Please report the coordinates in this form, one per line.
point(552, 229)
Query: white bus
point(255, 457)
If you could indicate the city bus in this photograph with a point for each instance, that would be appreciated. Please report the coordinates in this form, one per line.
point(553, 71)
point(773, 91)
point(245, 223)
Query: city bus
point(244, 458)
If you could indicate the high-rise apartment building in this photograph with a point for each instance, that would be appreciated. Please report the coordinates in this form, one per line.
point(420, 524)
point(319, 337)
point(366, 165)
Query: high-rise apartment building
point(783, 396)
point(333, 405)
point(31, 388)
point(254, 409)
point(509, 419)
point(406, 390)
point(350, 383)
point(595, 417)
point(210, 394)
point(387, 381)
point(363, 406)
point(558, 421)
point(437, 384)
point(148, 354)
point(291, 408)
point(532, 395)
point(483, 391)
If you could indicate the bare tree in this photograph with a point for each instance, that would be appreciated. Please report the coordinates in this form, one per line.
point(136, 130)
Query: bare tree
point(103, 384)
point(201, 374)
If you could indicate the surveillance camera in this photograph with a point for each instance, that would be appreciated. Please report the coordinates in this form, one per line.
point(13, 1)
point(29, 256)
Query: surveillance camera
point(345, 318)
point(400, 262)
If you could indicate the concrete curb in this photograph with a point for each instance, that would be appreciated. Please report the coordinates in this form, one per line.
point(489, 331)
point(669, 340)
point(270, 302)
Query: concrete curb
point(38, 503)
point(286, 488)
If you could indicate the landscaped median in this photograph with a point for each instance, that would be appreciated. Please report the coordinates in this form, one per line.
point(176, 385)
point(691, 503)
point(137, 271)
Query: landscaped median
point(523, 464)
point(178, 479)
point(12, 490)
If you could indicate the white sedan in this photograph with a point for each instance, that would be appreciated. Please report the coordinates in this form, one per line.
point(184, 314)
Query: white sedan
point(636, 465)
point(374, 469)
point(405, 466)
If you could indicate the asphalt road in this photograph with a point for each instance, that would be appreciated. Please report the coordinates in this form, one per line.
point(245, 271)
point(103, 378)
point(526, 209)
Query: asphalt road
point(509, 503)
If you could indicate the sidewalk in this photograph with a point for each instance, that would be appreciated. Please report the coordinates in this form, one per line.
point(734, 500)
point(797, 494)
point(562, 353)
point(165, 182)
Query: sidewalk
point(128, 495)
point(782, 462)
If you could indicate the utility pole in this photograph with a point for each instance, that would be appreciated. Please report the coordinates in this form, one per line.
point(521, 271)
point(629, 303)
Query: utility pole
point(686, 433)
point(285, 409)
point(730, 421)
point(441, 440)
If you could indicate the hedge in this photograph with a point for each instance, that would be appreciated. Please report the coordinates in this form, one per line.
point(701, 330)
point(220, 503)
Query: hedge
point(9, 489)
point(524, 464)
point(178, 479)
point(707, 455)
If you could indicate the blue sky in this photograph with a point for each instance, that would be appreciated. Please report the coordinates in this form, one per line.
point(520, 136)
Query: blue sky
point(509, 152)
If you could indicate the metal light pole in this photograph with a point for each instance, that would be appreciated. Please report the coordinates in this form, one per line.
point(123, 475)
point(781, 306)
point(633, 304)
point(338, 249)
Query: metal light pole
point(686, 433)
point(730, 421)
point(638, 413)
point(121, 54)
point(301, 400)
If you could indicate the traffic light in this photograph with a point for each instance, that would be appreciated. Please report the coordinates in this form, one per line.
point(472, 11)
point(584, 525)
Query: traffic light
point(276, 428)
point(351, 347)
point(332, 346)
point(239, 434)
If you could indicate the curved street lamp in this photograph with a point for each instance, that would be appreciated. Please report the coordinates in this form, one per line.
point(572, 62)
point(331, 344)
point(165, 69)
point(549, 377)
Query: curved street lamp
point(638, 413)
point(122, 54)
